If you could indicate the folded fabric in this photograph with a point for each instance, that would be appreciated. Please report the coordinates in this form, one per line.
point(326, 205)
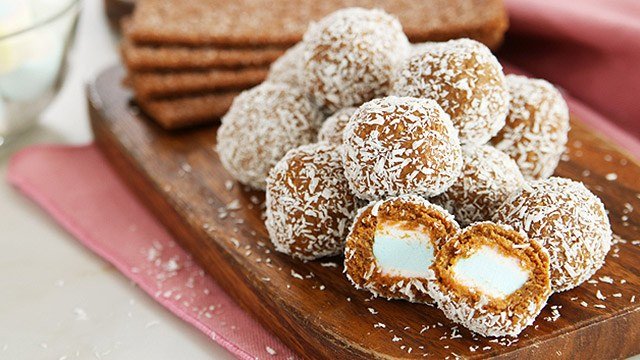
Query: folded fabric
point(78, 188)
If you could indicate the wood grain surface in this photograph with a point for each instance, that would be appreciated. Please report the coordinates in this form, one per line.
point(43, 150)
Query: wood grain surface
point(311, 306)
point(116, 10)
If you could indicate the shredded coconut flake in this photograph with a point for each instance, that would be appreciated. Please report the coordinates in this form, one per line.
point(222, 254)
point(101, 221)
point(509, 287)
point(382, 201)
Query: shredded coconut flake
point(309, 204)
point(270, 351)
point(395, 146)
point(261, 126)
point(465, 79)
point(568, 220)
point(537, 125)
point(351, 55)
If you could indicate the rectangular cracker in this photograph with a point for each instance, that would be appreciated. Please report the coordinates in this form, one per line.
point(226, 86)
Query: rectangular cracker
point(238, 23)
point(153, 85)
point(187, 111)
point(145, 58)
point(172, 57)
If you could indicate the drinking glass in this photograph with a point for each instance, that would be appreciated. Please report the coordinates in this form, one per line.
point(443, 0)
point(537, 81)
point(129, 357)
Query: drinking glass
point(35, 36)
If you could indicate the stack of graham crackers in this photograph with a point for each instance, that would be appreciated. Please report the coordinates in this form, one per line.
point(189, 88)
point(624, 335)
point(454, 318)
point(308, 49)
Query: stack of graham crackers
point(187, 60)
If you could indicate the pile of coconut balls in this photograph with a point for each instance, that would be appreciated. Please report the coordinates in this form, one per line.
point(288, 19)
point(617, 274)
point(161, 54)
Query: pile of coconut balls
point(425, 165)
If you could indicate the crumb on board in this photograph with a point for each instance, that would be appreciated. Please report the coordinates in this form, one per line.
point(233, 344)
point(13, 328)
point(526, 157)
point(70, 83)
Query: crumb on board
point(606, 279)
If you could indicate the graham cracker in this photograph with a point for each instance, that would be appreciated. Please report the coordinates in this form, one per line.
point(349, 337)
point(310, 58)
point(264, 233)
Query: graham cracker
point(239, 23)
point(187, 111)
point(144, 58)
point(154, 85)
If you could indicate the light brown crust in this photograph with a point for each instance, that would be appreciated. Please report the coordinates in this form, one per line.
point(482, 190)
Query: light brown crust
point(534, 259)
point(145, 58)
point(360, 264)
point(181, 112)
point(154, 85)
point(485, 315)
point(138, 57)
point(206, 22)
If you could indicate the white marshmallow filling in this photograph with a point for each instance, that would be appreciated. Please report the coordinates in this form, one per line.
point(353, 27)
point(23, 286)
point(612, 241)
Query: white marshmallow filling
point(490, 272)
point(402, 252)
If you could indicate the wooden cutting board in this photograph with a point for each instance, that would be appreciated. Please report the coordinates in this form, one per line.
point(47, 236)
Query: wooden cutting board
point(116, 10)
point(311, 306)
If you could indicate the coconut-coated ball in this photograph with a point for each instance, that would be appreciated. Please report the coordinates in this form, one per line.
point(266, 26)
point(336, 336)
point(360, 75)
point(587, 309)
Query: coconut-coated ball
point(350, 57)
point(333, 127)
point(487, 178)
point(261, 126)
point(400, 145)
point(537, 125)
point(309, 205)
point(568, 220)
point(465, 79)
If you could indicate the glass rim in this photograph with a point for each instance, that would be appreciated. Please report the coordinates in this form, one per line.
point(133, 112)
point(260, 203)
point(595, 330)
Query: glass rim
point(45, 21)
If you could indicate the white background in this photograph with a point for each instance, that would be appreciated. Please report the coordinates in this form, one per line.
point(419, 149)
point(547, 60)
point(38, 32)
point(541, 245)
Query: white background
point(57, 299)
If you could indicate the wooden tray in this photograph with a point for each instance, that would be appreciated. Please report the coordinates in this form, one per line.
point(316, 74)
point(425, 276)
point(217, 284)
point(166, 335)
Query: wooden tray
point(116, 10)
point(311, 306)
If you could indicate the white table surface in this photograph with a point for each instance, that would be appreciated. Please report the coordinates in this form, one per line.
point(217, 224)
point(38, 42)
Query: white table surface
point(59, 300)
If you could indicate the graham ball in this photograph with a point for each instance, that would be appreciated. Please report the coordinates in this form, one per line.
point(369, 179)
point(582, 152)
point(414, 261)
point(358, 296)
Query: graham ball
point(287, 69)
point(262, 124)
point(400, 145)
point(491, 279)
point(350, 57)
point(568, 220)
point(537, 125)
point(333, 127)
point(465, 79)
point(309, 206)
point(392, 245)
point(487, 178)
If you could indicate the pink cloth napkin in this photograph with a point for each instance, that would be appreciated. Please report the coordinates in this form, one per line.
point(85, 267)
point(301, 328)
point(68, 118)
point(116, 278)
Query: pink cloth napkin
point(590, 48)
point(78, 188)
